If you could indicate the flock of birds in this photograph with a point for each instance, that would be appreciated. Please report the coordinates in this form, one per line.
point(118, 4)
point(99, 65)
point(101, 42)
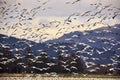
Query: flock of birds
point(100, 12)
point(23, 17)
point(36, 61)
point(65, 62)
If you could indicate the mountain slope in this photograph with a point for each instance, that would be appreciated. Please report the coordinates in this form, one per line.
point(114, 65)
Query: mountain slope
point(100, 46)
point(102, 37)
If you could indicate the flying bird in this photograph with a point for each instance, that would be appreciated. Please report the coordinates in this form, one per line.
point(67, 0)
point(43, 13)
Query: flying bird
point(75, 1)
point(90, 19)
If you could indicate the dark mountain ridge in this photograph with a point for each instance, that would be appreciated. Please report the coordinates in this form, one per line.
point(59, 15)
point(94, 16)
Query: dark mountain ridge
point(100, 46)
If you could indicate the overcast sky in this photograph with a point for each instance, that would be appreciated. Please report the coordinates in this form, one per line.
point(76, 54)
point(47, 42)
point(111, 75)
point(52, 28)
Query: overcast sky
point(58, 10)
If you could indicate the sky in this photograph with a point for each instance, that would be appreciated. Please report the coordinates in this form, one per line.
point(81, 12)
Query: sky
point(52, 17)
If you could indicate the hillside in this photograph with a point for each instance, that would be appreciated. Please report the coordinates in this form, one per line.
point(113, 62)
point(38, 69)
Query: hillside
point(100, 47)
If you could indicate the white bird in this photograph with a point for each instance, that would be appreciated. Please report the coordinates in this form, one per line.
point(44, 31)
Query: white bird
point(90, 40)
point(103, 65)
point(67, 69)
point(73, 67)
point(99, 52)
point(65, 66)
point(50, 64)
point(73, 62)
point(39, 62)
point(64, 62)
point(105, 49)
